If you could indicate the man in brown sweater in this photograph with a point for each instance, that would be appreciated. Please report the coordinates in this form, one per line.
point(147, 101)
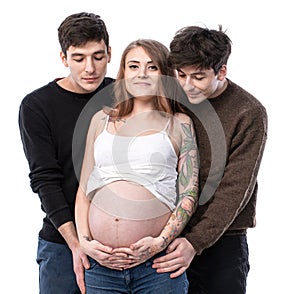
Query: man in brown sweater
point(231, 128)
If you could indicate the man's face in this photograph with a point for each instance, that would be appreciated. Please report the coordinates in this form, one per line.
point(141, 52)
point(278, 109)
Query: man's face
point(200, 84)
point(88, 66)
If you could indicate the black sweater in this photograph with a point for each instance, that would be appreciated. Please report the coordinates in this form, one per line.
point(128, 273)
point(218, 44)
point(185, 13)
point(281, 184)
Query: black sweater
point(47, 118)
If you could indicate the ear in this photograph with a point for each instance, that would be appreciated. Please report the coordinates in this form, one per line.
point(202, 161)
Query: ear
point(222, 72)
point(109, 54)
point(64, 59)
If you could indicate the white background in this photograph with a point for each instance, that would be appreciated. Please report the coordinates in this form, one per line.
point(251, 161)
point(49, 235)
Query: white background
point(264, 60)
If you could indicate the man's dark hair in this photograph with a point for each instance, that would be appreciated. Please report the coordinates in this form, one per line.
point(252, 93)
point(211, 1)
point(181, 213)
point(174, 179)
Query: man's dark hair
point(200, 47)
point(80, 28)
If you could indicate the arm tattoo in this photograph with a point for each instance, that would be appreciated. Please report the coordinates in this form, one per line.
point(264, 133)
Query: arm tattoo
point(188, 155)
point(87, 238)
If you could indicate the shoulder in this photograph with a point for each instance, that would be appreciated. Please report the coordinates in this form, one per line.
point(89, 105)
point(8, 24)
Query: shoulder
point(99, 116)
point(39, 95)
point(183, 125)
point(243, 98)
point(107, 81)
point(182, 118)
point(37, 101)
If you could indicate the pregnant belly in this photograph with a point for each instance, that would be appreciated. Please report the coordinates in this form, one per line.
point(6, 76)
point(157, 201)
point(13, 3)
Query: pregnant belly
point(123, 212)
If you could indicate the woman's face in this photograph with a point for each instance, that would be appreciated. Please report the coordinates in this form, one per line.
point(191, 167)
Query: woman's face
point(141, 74)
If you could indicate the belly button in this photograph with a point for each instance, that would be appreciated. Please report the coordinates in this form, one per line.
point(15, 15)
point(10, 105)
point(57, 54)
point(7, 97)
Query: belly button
point(116, 219)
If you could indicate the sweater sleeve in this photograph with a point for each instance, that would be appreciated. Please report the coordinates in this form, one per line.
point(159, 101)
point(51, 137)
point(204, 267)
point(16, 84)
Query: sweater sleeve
point(45, 172)
point(238, 181)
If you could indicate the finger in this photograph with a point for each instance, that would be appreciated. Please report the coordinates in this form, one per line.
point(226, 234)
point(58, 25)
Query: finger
point(164, 259)
point(82, 288)
point(119, 254)
point(137, 245)
point(100, 256)
point(120, 261)
point(173, 268)
point(98, 246)
point(124, 250)
point(132, 265)
point(178, 273)
point(85, 262)
point(172, 246)
point(106, 249)
point(80, 281)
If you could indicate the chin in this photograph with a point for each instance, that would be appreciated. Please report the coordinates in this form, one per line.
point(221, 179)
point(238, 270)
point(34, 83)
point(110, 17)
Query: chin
point(91, 87)
point(196, 100)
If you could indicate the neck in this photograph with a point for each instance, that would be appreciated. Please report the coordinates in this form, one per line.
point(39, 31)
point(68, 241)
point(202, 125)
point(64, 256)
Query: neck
point(220, 89)
point(142, 104)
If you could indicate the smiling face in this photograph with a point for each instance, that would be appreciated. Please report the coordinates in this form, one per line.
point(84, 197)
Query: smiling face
point(201, 84)
point(140, 74)
point(88, 66)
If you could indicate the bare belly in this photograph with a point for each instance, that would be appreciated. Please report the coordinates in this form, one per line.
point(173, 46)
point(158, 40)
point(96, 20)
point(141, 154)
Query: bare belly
point(123, 212)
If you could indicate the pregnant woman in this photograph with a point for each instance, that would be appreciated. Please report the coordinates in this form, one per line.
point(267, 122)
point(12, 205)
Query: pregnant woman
point(139, 179)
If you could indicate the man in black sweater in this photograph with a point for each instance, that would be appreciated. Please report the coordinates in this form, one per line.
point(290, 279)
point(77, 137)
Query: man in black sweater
point(47, 119)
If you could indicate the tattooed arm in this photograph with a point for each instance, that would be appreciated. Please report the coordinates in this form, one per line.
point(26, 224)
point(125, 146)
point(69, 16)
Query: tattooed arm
point(183, 136)
point(188, 169)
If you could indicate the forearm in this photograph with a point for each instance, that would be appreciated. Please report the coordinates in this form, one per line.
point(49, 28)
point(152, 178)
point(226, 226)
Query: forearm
point(179, 217)
point(54, 204)
point(68, 231)
point(81, 216)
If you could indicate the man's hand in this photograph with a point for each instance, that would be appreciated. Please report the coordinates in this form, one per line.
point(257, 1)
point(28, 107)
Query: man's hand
point(80, 262)
point(180, 254)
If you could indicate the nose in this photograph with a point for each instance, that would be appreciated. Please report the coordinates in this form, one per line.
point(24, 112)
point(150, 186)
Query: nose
point(142, 72)
point(89, 66)
point(186, 83)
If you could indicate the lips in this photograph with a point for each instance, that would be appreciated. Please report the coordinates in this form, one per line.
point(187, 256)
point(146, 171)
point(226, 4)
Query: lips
point(90, 80)
point(193, 95)
point(142, 84)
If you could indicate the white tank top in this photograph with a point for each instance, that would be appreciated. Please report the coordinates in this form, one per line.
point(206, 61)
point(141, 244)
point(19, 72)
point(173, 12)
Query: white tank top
point(149, 160)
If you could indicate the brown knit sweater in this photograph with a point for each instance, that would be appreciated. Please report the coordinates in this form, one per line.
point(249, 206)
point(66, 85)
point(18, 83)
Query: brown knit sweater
point(231, 134)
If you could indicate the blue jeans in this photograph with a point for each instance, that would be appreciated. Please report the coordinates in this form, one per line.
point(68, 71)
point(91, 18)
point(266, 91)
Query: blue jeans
point(56, 275)
point(142, 279)
point(222, 268)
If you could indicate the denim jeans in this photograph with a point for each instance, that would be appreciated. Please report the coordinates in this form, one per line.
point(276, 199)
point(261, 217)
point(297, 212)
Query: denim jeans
point(222, 268)
point(56, 275)
point(142, 279)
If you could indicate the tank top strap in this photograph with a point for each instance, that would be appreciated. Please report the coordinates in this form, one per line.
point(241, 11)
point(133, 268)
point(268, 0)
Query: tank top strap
point(106, 122)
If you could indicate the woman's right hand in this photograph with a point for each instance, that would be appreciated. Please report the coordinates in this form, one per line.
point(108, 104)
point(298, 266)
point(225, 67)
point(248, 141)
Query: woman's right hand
point(104, 254)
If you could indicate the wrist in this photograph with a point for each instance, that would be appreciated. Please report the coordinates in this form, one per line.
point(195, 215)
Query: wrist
point(84, 239)
point(163, 242)
point(87, 238)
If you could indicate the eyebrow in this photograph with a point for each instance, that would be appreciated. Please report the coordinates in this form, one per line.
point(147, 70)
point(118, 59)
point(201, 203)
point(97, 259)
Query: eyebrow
point(136, 61)
point(81, 54)
point(194, 73)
